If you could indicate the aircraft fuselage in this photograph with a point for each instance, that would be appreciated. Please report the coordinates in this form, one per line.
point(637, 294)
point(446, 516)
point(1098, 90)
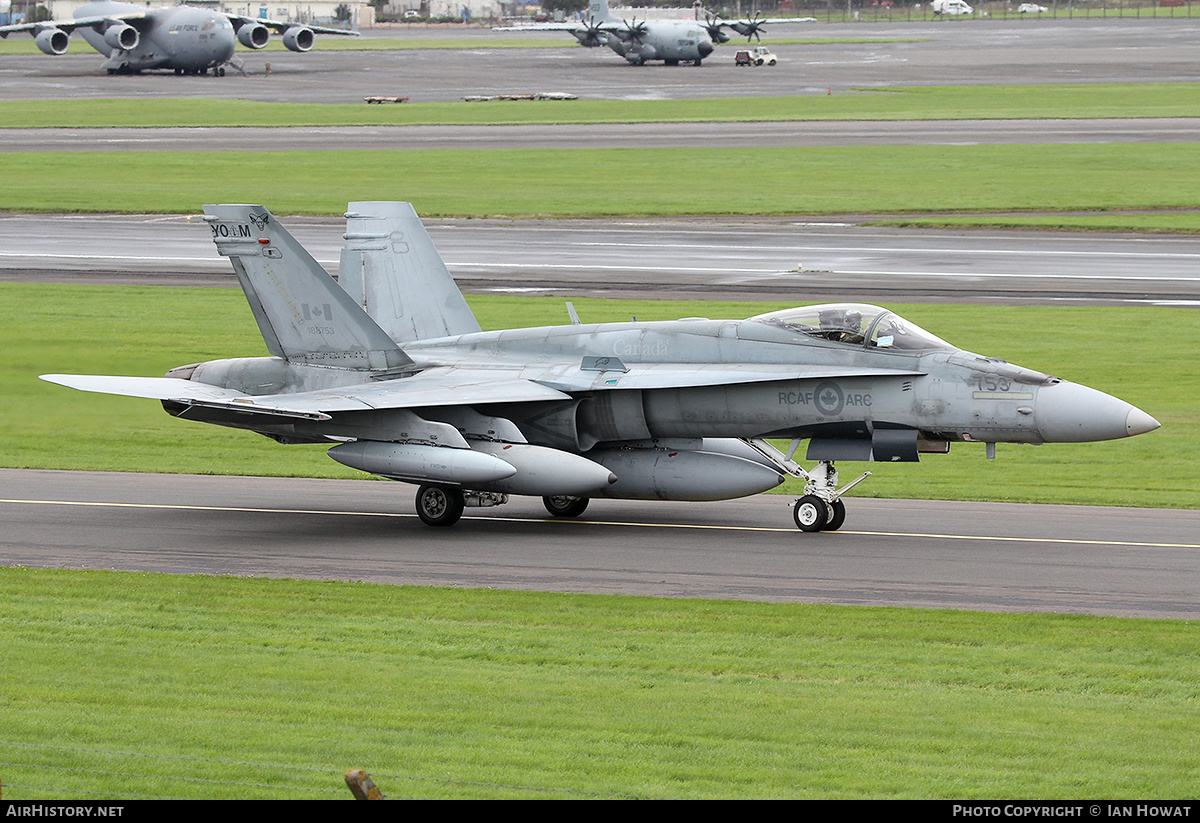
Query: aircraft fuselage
point(673, 41)
point(182, 38)
point(936, 396)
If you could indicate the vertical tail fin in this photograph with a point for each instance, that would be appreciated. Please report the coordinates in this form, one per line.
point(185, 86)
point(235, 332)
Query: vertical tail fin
point(598, 10)
point(303, 314)
point(392, 269)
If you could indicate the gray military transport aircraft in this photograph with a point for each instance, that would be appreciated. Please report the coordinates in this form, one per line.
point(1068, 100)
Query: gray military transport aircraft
point(672, 41)
point(389, 365)
point(183, 38)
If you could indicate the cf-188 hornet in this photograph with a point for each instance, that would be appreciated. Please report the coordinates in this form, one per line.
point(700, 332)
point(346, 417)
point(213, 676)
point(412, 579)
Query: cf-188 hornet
point(187, 39)
point(388, 366)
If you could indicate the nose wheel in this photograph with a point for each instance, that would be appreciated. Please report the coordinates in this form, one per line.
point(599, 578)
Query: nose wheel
point(812, 514)
point(821, 508)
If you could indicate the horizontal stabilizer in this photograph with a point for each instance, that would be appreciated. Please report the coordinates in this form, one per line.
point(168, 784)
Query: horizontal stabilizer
point(154, 388)
point(426, 389)
point(176, 390)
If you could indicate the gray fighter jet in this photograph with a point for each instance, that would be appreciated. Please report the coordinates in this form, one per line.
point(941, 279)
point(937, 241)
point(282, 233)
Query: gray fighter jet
point(183, 38)
point(389, 366)
point(672, 41)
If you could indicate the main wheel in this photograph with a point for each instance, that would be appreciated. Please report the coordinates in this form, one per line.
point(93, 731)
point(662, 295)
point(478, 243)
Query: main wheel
point(560, 505)
point(811, 513)
point(837, 516)
point(439, 505)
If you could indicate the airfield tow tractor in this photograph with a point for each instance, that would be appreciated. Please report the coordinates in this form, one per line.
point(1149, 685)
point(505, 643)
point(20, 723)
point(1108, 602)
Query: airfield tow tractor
point(757, 56)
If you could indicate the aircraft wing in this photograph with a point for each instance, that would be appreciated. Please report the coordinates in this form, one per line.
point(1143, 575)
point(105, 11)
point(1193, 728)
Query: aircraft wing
point(134, 19)
point(769, 21)
point(453, 387)
point(751, 26)
point(691, 375)
point(542, 27)
point(279, 26)
point(430, 388)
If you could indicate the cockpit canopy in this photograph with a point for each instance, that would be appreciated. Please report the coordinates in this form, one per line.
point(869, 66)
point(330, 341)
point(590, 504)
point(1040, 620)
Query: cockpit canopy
point(855, 324)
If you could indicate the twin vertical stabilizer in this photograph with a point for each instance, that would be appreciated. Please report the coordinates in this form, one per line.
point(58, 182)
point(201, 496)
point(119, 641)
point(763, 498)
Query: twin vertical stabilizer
point(393, 289)
point(392, 269)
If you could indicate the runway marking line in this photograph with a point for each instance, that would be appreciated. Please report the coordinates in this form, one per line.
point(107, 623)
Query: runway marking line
point(975, 537)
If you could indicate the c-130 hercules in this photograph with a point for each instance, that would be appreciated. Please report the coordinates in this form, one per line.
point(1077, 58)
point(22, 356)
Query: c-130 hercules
point(671, 41)
point(390, 366)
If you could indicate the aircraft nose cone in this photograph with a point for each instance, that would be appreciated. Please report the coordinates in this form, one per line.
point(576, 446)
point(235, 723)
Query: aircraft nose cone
point(1071, 413)
point(705, 48)
point(1138, 422)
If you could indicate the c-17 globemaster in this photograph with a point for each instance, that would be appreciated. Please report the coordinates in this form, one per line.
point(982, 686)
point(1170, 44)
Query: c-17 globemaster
point(388, 366)
point(187, 39)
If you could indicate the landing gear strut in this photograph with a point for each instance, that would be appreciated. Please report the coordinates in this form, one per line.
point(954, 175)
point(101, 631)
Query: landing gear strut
point(821, 508)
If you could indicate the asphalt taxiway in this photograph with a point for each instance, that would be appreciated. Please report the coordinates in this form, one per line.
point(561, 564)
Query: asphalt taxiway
point(869, 54)
point(759, 258)
point(610, 135)
point(981, 556)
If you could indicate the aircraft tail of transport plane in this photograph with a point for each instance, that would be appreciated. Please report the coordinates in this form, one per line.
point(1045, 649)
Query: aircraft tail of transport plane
point(389, 370)
point(186, 39)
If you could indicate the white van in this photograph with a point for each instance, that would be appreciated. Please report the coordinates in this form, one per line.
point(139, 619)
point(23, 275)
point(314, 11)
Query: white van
point(951, 7)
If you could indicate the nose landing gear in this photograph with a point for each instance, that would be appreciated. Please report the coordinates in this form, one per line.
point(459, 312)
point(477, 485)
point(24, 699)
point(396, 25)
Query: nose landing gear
point(821, 508)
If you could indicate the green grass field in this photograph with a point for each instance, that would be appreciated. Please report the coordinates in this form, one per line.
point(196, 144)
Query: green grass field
point(1098, 178)
point(145, 331)
point(1102, 183)
point(136, 685)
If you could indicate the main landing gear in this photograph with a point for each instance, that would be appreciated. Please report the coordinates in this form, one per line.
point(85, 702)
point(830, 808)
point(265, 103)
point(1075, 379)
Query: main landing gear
point(564, 506)
point(439, 505)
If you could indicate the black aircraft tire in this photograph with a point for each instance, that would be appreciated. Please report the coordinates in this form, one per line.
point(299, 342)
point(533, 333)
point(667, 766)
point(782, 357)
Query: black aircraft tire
point(439, 505)
point(811, 513)
point(563, 506)
point(837, 516)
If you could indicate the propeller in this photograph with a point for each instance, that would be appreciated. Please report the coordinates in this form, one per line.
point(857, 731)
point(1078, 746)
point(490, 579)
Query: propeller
point(590, 36)
point(633, 31)
point(750, 28)
point(713, 25)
